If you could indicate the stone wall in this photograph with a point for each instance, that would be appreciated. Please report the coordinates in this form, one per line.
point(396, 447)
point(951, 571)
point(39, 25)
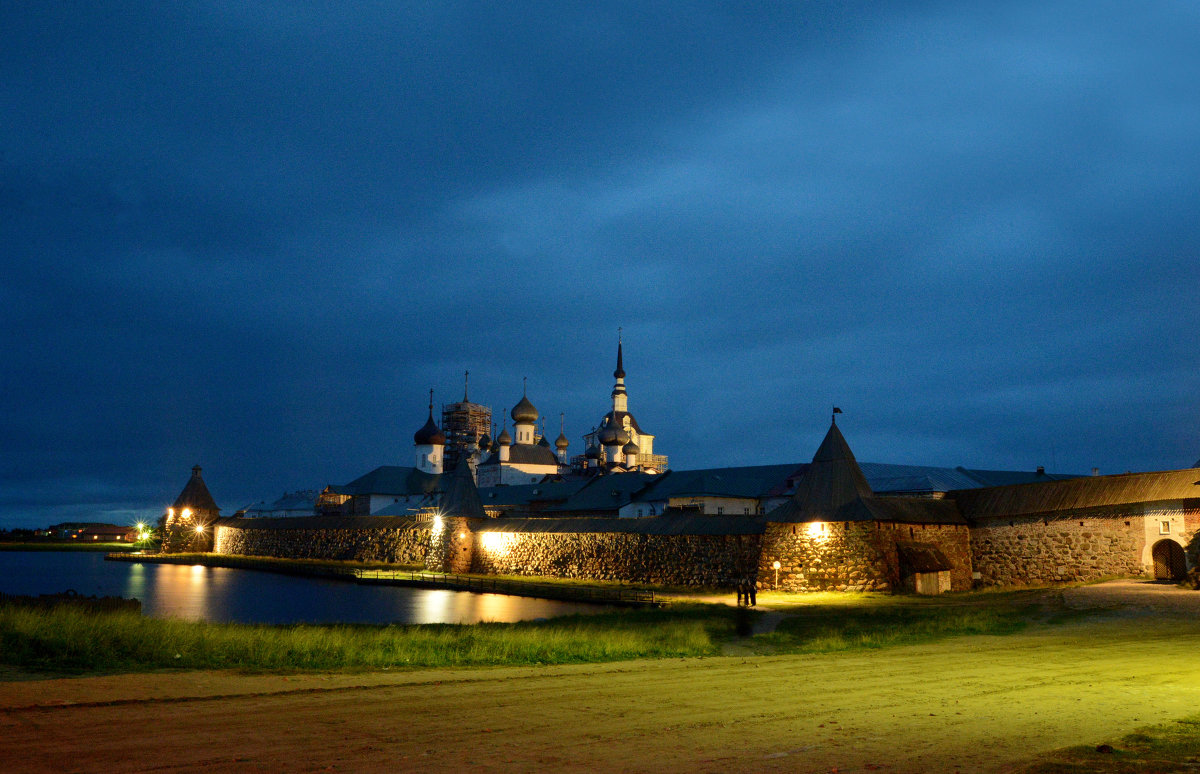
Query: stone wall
point(683, 560)
point(1030, 550)
point(402, 546)
point(854, 556)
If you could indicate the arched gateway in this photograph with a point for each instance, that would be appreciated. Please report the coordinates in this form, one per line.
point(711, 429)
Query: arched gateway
point(1169, 561)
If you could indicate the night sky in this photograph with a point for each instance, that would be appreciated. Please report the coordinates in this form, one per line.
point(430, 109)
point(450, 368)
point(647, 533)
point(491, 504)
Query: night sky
point(252, 236)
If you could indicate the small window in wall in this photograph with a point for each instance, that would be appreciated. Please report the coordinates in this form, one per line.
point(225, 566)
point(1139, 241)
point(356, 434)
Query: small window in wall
point(1081, 523)
point(720, 510)
point(746, 510)
point(911, 532)
point(1164, 527)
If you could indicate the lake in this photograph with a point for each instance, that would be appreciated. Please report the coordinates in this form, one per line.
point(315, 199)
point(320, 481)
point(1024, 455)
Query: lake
point(197, 593)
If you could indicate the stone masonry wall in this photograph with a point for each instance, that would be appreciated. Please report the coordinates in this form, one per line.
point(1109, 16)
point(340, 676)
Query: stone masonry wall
point(402, 546)
point(684, 560)
point(1030, 550)
point(854, 556)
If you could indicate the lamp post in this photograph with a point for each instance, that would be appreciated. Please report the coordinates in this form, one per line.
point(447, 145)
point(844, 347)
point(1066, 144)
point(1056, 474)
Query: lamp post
point(776, 565)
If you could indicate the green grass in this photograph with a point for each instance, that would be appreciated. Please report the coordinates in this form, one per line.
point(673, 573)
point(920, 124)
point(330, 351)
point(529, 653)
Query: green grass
point(68, 640)
point(876, 624)
point(1173, 746)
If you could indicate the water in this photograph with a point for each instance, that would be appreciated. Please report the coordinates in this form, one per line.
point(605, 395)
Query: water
point(197, 593)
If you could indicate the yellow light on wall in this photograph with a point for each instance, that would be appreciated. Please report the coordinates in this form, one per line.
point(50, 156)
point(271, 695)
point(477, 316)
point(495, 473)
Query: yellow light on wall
point(462, 536)
point(816, 530)
point(199, 529)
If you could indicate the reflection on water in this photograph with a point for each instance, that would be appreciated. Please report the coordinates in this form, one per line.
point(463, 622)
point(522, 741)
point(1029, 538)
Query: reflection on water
point(198, 593)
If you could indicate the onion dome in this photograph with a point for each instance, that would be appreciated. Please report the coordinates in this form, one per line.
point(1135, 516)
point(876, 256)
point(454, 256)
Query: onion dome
point(608, 436)
point(485, 442)
point(524, 412)
point(592, 453)
point(504, 439)
point(561, 442)
point(630, 448)
point(623, 436)
point(429, 435)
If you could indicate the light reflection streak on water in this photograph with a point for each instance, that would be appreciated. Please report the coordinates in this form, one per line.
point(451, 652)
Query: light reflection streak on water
point(195, 592)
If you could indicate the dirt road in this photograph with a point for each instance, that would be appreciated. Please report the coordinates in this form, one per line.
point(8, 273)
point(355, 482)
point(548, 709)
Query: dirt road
point(969, 704)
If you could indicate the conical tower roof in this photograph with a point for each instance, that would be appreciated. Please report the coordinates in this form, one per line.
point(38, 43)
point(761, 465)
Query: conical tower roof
point(832, 489)
point(461, 497)
point(195, 495)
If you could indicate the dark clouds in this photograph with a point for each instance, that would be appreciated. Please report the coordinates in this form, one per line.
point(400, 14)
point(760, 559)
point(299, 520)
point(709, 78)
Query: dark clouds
point(252, 235)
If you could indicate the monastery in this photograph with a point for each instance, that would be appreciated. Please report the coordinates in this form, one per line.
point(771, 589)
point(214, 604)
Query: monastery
point(516, 505)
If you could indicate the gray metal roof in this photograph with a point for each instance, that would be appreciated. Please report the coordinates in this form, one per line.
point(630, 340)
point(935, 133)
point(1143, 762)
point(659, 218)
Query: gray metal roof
point(524, 494)
point(606, 493)
point(1010, 477)
point(747, 481)
point(916, 479)
point(390, 480)
point(525, 454)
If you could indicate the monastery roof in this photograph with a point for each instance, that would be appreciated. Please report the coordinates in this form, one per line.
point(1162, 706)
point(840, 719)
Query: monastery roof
point(1085, 492)
point(195, 495)
point(651, 525)
point(525, 454)
point(606, 493)
point(303, 501)
point(1010, 477)
point(901, 479)
point(390, 480)
point(521, 494)
point(617, 419)
point(746, 481)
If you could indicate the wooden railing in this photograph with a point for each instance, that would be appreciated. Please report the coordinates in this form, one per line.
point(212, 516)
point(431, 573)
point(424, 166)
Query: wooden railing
point(600, 594)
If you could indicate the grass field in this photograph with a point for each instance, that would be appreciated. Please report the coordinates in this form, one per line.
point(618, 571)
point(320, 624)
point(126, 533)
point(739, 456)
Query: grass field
point(65, 639)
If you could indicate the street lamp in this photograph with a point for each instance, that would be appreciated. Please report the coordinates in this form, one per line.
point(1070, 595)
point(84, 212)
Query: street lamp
point(777, 565)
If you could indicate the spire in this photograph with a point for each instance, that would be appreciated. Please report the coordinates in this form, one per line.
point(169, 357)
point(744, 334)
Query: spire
point(466, 386)
point(620, 372)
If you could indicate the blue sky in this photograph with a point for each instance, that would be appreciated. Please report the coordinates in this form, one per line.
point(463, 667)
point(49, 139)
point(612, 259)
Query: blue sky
point(252, 236)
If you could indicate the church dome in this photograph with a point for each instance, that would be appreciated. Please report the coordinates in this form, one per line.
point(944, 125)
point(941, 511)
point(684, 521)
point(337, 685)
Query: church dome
point(429, 435)
point(592, 453)
point(504, 439)
point(608, 436)
point(524, 412)
point(485, 442)
point(622, 436)
point(561, 442)
point(630, 448)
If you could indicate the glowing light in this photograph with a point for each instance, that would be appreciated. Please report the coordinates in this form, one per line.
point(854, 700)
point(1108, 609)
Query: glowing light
point(437, 522)
point(816, 530)
point(170, 513)
point(462, 536)
point(777, 565)
point(186, 512)
point(496, 542)
point(199, 528)
point(141, 526)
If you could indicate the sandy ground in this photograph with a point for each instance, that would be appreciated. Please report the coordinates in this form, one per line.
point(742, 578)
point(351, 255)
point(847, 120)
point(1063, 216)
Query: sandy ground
point(968, 704)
